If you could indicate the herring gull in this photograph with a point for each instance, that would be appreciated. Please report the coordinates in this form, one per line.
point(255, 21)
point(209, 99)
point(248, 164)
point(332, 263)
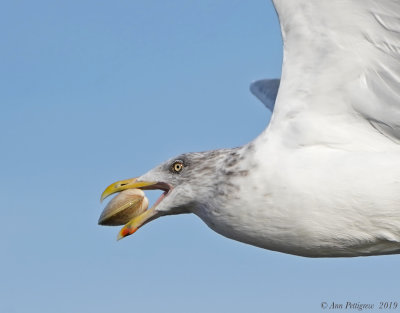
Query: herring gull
point(323, 179)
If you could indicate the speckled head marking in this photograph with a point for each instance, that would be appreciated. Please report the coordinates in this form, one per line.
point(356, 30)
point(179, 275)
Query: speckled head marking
point(202, 177)
point(192, 182)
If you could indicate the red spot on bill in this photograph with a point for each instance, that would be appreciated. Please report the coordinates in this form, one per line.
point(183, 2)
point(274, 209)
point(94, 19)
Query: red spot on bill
point(126, 231)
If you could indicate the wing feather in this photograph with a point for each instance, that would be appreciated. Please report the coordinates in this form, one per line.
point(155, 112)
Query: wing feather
point(266, 91)
point(341, 71)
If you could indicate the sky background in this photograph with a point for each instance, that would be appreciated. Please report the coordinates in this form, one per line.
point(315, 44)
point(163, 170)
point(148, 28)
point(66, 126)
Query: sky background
point(96, 91)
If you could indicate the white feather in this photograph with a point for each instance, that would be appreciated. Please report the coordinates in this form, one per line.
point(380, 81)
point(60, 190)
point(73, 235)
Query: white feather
point(341, 72)
point(326, 172)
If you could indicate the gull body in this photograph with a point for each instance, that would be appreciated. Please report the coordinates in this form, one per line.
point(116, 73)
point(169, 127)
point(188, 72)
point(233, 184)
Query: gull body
point(314, 201)
point(323, 179)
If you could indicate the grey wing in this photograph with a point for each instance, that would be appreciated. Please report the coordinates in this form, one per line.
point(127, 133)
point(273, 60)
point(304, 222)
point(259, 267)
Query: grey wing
point(266, 91)
point(341, 71)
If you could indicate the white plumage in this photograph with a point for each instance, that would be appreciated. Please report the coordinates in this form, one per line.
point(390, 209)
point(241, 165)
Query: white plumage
point(331, 154)
point(323, 180)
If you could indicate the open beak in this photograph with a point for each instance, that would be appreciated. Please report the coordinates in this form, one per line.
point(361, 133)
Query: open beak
point(148, 215)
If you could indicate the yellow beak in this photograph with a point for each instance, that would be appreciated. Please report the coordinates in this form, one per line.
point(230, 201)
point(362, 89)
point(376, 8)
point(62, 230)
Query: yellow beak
point(136, 222)
point(123, 185)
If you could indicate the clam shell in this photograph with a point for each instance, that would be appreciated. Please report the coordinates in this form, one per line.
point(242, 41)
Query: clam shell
point(125, 206)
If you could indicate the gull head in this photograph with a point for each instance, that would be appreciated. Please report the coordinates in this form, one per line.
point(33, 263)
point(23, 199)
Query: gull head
point(188, 181)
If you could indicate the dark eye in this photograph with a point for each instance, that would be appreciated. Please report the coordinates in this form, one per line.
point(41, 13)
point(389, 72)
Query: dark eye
point(177, 166)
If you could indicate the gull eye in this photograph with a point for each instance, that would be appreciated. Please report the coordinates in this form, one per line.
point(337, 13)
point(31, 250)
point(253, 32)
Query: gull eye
point(177, 166)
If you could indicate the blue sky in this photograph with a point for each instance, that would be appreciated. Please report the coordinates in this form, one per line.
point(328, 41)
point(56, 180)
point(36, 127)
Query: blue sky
point(96, 91)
